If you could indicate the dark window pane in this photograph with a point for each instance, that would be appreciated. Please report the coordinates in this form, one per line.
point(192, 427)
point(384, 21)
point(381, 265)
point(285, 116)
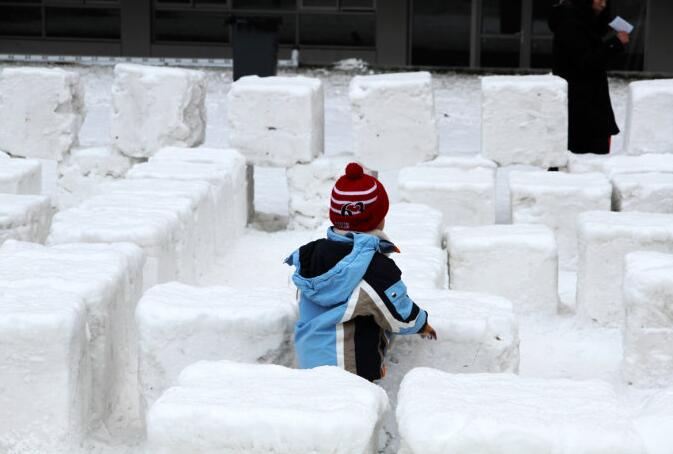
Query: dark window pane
point(357, 30)
point(357, 4)
point(541, 53)
point(20, 21)
point(500, 52)
point(441, 32)
point(191, 26)
point(265, 4)
point(76, 2)
point(223, 3)
point(173, 2)
point(501, 16)
point(541, 11)
point(329, 4)
point(83, 23)
point(20, 1)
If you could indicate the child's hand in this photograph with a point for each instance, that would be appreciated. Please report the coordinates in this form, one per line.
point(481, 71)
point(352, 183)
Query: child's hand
point(428, 332)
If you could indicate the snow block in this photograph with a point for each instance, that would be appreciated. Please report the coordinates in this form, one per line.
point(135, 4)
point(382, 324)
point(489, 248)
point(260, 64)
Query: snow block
point(226, 159)
point(524, 120)
point(24, 217)
point(44, 371)
point(648, 332)
point(85, 170)
point(645, 192)
point(180, 325)
point(465, 197)
point(411, 224)
point(230, 407)
point(227, 215)
point(423, 267)
point(649, 116)
point(587, 163)
point(466, 162)
point(394, 122)
point(621, 164)
point(555, 199)
point(440, 413)
point(20, 176)
point(108, 279)
point(154, 107)
point(653, 422)
point(277, 121)
point(518, 262)
point(604, 238)
point(46, 123)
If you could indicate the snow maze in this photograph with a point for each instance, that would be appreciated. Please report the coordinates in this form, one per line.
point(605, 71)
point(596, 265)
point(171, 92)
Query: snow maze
point(144, 306)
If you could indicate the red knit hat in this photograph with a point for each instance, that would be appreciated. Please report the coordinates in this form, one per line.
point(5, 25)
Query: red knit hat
point(359, 201)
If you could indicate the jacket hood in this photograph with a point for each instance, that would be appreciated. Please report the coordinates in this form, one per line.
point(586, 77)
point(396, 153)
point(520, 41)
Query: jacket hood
point(336, 285)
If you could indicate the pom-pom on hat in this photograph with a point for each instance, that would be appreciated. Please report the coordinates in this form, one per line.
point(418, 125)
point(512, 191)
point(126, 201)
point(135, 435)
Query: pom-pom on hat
point(359, 201)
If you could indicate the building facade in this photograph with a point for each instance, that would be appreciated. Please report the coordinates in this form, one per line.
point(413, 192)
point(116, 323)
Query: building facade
point(435, 33)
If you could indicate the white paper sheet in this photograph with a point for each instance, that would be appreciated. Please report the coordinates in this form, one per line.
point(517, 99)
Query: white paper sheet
point(621, 25)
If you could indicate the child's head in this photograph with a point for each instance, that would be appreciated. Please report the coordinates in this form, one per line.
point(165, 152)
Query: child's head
point(359, 201)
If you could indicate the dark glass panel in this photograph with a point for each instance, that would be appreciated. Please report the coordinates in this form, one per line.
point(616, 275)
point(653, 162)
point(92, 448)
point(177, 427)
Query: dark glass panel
point(541, 56)
point(358, 30)
point(20, 21)
point(501, 16)
point(329, 4)
point(500, 52)
point(357, 4)
point(441, 32)
point(191, 26)
point(265, 4)
point(83, 23)
point(223, 3)
point(541, 11)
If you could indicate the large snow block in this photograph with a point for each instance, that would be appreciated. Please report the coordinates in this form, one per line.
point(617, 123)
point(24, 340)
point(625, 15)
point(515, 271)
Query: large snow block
point(412, 224)
point(422, 267)
point(85, 170)
point(228, 218)
point(277, 121)
point(604, 238)
point(587, 162)
point(230, 407)
point(648, 335)
point(466, 162)
point(226, 159)
point(653, 422)
point(154, 107)
point(24, 217)
point(555, 199)
point(441, 413)
point(394, 122)
point(621, 164)
point(649, 117)
point(41, 111)
point(465, 197)
point(163, 225)
point(44, 371)
point(645, 192)
point(518, 262)
point(179, 325)
point(109, 281)
point(20, 176)
point(524, 120)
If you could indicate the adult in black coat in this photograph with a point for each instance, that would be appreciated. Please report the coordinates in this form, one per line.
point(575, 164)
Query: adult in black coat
point(581, 55)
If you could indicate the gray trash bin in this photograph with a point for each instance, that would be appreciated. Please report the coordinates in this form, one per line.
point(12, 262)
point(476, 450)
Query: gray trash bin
point(255, 45)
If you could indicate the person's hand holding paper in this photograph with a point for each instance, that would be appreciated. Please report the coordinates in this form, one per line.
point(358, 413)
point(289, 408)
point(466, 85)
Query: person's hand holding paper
point(620, 25)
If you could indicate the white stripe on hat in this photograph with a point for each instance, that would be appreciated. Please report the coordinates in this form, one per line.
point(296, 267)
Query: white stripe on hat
point(344, 202)
point(351, 193)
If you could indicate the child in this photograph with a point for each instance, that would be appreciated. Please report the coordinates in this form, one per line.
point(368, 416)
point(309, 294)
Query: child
point(351, 294)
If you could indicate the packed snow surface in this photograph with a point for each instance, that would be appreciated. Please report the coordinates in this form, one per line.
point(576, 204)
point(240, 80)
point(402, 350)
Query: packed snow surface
point(649, 117)
point(20, 176)
point(24, 217)
point(650, 192)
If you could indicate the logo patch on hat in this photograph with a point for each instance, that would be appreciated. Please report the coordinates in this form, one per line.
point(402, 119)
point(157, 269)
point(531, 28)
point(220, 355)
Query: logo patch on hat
point(352, 208)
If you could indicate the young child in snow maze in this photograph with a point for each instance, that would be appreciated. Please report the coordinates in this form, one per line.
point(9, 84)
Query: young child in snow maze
point(352, 298)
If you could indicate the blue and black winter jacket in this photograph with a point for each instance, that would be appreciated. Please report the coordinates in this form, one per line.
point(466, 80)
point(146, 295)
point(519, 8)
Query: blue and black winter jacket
point(351, 300)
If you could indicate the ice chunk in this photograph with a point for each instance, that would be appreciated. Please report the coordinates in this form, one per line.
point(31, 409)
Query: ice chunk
point(648, 335)
point(394, 122)
point(466, 162)
point(179, 325)
point(277, 121)
point(518, 262)
point(85, 170)
point(410, 224)
point(24, 217)
point(465, 197)
point(524, 120)
point(555, 199)
point(44, 371)
point(440, 413)
point(422, 267)
point(653, 422)
point(604, 238)
point(41, 111)
point(154, 107)
point(108, 279)
point(20, 176)
point(649, 117)
point(266, 409)
point(646, 192)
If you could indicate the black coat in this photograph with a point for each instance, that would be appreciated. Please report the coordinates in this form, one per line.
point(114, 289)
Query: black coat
point(581, 56)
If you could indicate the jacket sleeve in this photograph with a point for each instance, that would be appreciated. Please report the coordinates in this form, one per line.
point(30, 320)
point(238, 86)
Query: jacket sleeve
point(583, 52)
point(387, 298)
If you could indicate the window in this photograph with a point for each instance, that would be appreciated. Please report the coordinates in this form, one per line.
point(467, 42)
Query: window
point(191, 26)
point(441, 32)
point(95, 23)
point(352, 30)
point(266, 4)
point(20, 21)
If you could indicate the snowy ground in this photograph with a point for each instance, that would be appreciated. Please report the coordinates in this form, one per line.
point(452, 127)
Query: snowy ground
point(558, 346)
